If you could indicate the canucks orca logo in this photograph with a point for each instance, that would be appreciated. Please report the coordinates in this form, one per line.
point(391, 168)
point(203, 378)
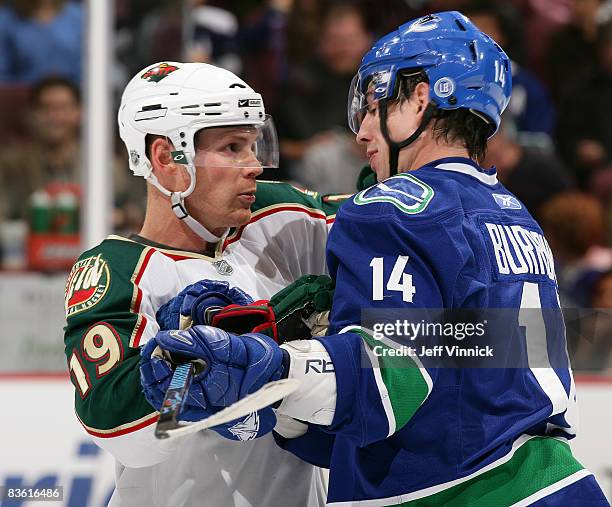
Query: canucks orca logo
point(247, 428)
point(506, 201)
point(425, 24)
point(406, 192)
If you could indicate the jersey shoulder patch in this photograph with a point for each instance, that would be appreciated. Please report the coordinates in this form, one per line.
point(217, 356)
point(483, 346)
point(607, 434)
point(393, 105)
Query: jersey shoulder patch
point(98, 273)
point(405, 191)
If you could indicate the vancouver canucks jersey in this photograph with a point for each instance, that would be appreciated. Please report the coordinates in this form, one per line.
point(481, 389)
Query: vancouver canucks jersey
point(409, 428)
point(112, 295)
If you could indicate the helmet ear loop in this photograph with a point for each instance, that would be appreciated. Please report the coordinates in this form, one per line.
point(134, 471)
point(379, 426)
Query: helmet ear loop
point(395, 148)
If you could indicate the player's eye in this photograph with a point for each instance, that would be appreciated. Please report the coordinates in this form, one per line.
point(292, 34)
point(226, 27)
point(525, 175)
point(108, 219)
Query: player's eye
point(232, 147)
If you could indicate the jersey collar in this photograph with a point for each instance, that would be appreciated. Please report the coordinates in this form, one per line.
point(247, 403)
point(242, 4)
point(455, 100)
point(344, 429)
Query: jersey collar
point(466, 166)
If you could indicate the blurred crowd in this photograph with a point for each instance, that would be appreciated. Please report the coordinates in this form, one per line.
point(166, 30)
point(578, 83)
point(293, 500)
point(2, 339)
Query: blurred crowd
point(554, 150)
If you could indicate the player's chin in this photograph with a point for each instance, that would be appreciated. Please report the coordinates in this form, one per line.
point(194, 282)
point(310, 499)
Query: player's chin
point(241, 216)
point(382, 172)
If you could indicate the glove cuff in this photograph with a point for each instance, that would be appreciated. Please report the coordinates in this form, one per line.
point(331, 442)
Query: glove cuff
point(315, 400)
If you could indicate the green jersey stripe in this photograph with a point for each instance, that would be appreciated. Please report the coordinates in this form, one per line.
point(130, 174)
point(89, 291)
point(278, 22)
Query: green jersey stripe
point(407, 383)
point(536, 466)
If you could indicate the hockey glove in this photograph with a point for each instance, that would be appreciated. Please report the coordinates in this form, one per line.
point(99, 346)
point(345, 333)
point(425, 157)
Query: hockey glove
point(297, 312)
point(196, 302)
point(235, 367)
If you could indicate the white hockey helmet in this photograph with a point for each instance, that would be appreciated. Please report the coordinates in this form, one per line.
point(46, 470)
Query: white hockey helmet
point(176, 100)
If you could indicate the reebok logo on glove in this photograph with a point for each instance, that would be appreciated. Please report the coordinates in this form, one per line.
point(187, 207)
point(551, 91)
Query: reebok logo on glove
point(319, 366)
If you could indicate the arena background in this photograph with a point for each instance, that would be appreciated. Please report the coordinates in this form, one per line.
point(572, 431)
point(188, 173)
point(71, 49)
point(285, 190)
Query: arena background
point(65, 182)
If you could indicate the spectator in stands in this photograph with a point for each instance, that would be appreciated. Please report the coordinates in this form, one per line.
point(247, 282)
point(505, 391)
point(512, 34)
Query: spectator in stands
point(533, 174)
point(572, 48)
point(40, 38)
point(312, 114)
point(53, 154)
point(264, 40)
point(530, 107)
point(574, 225)
point(591, 346)
point(212, 37)
point(159, 36)
point(585, 120)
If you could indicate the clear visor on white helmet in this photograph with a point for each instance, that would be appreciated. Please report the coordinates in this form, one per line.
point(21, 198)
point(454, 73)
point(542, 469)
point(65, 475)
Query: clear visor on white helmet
point(365, 90)
point(240, 146)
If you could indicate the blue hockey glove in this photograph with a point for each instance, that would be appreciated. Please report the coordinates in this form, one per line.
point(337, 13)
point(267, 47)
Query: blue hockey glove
point(192, 304)
point(236, 366)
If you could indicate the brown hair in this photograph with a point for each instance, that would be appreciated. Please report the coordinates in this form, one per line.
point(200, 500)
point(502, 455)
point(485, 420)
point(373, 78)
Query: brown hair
point(574, 222)
point(452, 125)
point(48, 82)
point(26, 8)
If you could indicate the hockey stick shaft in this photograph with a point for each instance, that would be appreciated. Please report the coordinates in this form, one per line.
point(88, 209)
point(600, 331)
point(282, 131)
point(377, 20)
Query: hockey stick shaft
point(266, 396)
point(174, 399)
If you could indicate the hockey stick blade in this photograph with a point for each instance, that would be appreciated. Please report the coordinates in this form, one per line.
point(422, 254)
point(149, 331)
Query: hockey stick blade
point(267, 395)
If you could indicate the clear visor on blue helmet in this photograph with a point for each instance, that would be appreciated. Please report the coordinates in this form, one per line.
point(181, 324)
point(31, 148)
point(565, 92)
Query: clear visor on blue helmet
point(240, 146)
point(367, 89)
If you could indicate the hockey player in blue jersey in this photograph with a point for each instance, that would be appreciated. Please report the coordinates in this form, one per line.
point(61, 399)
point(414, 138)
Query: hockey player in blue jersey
point(437, 231)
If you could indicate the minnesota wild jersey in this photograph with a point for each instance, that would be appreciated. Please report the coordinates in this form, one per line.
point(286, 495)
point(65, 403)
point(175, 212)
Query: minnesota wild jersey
point(112, 295)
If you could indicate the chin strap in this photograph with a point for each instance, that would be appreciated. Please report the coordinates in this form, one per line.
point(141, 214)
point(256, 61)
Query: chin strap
point(395, 148)
point(178, 206)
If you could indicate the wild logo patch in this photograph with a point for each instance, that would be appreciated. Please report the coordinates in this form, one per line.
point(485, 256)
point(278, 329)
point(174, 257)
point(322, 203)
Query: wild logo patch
point(159, 72)
point(87, 284)
point(406, 192)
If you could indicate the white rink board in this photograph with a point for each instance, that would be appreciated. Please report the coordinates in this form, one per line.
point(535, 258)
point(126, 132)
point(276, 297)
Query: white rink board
point(42, 439)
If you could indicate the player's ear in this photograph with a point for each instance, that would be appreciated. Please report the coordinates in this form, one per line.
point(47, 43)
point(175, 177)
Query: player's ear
point(421, 97)
point(161, 155)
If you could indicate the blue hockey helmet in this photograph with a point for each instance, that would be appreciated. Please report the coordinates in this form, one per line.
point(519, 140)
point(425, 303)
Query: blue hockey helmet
point(465, 68)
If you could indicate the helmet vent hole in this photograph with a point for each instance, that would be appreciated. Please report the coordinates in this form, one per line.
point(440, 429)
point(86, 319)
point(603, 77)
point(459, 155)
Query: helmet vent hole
point(474, 52)
point(237, 85)
point(151, 107)
point(191, 106)
point(190, 114)
point(212, 114)
point(460, 25)
point(174, 93)
point(212, 104)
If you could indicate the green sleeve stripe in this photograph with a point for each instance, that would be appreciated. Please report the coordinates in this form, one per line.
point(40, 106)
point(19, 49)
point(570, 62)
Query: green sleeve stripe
point(408, 384)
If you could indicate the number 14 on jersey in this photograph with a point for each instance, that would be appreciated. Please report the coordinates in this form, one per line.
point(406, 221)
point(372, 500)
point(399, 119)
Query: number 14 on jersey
point(398, 281)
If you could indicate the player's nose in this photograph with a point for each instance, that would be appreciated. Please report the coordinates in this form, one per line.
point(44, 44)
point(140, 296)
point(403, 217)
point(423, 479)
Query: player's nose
point(364, 135)
point(253, 170)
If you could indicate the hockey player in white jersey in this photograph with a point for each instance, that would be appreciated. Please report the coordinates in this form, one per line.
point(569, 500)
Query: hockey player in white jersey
point(199, 135)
